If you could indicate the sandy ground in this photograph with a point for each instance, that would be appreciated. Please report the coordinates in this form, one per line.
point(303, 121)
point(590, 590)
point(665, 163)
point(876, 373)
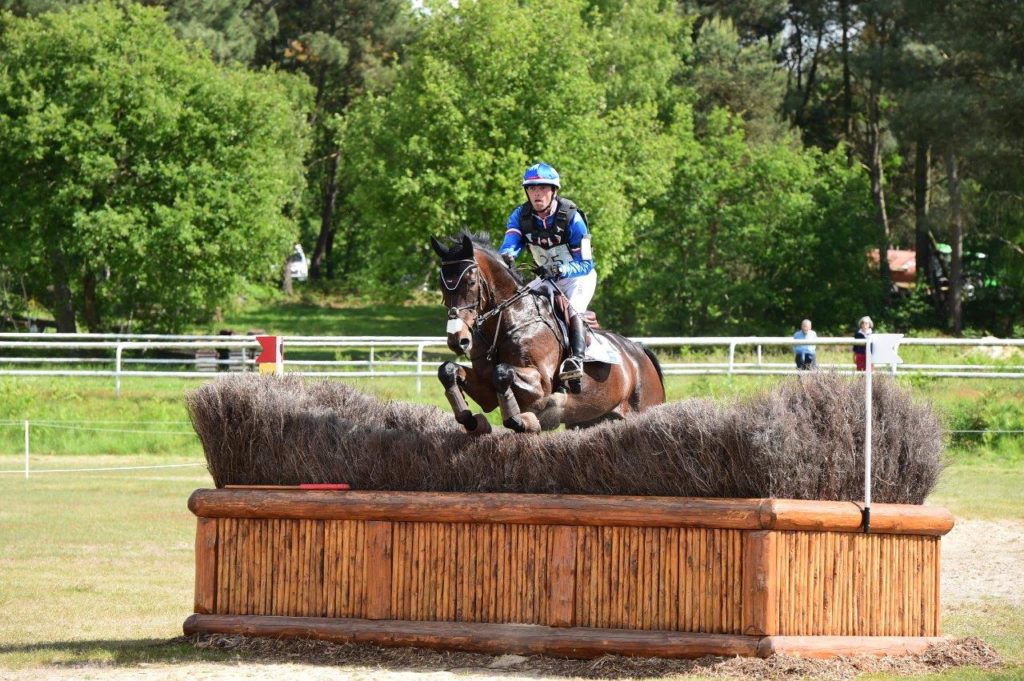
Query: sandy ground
point(981, 559)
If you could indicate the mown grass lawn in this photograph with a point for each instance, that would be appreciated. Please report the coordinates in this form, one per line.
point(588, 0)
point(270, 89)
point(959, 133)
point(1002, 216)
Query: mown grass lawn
point(98, 567)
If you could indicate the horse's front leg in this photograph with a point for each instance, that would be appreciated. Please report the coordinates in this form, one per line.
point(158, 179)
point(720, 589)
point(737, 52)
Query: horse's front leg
point(528, 384)
point(454, 378)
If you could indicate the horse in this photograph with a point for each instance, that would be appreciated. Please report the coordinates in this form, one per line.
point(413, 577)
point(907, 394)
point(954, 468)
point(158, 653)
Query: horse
point(515, 345)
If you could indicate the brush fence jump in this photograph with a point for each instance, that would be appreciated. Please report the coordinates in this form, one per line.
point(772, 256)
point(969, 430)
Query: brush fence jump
point(577, 576)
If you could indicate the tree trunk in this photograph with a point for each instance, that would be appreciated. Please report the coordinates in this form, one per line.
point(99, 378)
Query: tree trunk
point(811, 75)
point(844, 14)
point(956, 242)
point(330, 249)
point(326, 237)
point(922, 199)
point(286, 279)
point(878, 193)
point(90, 306)
point(63, 305)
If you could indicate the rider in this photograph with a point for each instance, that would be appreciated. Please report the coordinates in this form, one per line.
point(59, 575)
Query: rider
point(556, 232)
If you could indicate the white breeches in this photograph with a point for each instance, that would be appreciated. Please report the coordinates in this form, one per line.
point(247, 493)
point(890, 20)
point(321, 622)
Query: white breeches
point(579, 290)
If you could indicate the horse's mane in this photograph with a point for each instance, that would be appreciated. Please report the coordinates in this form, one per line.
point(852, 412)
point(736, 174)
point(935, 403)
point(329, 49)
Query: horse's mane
point(482, 242)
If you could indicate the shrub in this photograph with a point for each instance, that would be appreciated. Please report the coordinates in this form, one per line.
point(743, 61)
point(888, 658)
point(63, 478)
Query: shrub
point(802, 439)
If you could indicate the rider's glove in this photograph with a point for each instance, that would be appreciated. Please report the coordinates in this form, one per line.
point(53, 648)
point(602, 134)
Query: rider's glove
point(551, 271)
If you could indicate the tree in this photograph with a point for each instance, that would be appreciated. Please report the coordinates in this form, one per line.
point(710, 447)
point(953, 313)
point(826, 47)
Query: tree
point(230, 29)
point(346, 48)
point(476, 103)
point(744, 79)
point(139, 182)
point(750, 237)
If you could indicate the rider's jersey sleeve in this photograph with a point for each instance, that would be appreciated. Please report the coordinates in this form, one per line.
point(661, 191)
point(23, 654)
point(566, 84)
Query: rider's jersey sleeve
point(579, 266)
point(513, 243)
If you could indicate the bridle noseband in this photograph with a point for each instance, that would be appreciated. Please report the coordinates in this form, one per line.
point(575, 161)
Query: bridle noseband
point(471, 264)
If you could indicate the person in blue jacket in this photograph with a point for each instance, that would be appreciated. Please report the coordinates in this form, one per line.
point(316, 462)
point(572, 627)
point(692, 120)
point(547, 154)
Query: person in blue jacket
point(805, 353)
point(555, 231)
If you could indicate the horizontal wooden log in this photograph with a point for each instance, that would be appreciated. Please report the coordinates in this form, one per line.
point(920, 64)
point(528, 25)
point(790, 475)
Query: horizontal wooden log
point(839, 516)
point(577, 642)
point(558, 509)
point(834, 646)
point(532, 509)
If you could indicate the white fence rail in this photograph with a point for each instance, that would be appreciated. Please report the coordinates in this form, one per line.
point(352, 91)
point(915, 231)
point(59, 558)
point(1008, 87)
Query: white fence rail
point(119, 356)
point(245, 346)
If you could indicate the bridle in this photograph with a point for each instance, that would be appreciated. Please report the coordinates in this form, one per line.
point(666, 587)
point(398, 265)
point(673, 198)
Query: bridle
point(481, 316)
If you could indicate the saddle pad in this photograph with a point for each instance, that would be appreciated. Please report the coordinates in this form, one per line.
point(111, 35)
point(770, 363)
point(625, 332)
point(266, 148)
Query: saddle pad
point(602, 350)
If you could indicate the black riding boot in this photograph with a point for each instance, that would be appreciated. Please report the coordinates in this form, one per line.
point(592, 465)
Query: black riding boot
point(572, 368)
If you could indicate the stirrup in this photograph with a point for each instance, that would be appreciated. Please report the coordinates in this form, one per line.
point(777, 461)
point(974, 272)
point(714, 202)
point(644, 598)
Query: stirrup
point(572, 369)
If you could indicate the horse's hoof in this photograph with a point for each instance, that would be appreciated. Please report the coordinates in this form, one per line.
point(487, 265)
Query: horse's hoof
point(514, 424)
point(531, 424)
point(481, 426)
point(467, 419)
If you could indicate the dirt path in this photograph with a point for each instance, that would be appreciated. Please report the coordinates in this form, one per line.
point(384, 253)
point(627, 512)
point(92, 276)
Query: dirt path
point(981, 559)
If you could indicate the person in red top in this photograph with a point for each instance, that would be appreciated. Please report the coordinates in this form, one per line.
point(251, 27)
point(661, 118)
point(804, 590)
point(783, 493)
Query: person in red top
point(859, 351)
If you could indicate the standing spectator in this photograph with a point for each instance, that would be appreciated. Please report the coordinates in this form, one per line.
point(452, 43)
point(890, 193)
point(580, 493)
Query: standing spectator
point(859, 350)
point(805, 358)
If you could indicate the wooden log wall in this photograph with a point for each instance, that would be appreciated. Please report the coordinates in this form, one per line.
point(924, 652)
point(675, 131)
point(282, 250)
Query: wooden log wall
point(846, 584)
point(582, 563)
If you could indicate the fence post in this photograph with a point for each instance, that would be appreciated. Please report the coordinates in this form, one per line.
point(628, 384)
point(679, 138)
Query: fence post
point(26, 448)
point(419, 367)
point(758, 355)
point(732, 356)
point(372, 358)
point(868, 369)
point(117, 369)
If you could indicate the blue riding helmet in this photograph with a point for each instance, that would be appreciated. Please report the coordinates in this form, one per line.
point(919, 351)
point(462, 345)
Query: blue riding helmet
point(541, 173)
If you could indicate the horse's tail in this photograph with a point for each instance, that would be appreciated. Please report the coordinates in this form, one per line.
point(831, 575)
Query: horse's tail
point(655, 362)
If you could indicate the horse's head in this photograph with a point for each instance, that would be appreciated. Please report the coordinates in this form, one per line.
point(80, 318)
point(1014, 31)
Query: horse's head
point(463, 291)
point(468, 288)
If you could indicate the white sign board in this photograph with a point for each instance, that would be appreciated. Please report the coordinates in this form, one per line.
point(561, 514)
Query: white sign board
point(885, 346)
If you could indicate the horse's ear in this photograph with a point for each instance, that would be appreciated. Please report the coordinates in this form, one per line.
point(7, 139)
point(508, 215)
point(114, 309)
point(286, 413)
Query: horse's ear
point(438, 246)
point(467, 245)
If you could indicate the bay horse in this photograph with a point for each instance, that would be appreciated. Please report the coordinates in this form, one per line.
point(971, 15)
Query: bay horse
point(513, 340)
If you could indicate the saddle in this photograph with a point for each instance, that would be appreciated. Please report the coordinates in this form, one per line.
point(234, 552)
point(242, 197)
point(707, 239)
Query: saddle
point(563, 311)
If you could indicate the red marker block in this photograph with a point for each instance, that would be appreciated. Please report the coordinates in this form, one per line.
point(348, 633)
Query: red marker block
point(271, 357)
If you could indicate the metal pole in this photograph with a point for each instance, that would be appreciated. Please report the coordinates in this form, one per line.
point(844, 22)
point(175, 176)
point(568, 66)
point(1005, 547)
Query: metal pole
point(732, 356)
point(26, 449)
point(117, 370)
point(867, 436)
point(371, 359)
point(419, 367)
point(758, 354)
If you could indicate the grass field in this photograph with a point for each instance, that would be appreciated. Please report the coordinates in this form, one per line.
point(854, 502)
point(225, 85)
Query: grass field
point(96, 567)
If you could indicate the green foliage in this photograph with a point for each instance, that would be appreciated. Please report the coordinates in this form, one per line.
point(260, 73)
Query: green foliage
point(140, 182)
point(748, 238)
point(744, 79)
point(475, 104)
point(229, 29)
point(346, 48)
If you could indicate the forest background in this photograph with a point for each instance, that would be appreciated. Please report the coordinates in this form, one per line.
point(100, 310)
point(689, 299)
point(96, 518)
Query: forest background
point(738, 161)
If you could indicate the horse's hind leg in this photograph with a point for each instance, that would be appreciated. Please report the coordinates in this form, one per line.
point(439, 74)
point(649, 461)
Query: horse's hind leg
point(511, 415)
point(452, 377)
